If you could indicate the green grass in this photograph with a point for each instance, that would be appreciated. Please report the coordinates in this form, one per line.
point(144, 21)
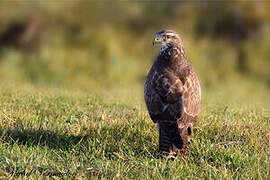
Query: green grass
point(74, 109)
point(46, 132)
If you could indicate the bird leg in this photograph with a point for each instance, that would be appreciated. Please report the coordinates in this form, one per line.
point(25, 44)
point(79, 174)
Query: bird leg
point(184, 135)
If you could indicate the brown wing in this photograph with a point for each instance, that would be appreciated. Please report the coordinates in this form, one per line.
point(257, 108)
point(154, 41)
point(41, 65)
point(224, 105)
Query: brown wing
point(163, 96)
point(192, 95)
point(168, 86)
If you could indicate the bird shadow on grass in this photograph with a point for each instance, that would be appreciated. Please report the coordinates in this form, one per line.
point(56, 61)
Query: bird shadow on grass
point(38, 137)
point(108, 140)
point(105, 143)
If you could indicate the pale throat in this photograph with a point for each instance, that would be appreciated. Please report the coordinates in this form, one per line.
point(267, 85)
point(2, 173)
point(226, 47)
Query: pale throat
point(163, 47)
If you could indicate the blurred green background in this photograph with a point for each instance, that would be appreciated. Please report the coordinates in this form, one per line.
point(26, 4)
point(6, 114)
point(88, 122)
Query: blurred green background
point(106, 46)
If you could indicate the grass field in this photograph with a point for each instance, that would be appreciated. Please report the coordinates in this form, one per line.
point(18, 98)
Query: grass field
point(71, 99)
point(57, 133)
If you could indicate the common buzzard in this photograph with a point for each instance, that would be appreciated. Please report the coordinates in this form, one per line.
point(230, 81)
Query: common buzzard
point(172, 94)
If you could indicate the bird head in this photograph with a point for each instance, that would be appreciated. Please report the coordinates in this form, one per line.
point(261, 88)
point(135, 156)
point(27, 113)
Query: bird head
point(166, 38)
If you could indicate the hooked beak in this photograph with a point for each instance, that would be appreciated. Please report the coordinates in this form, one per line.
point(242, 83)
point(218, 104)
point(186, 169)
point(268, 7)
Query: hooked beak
point(156, 40)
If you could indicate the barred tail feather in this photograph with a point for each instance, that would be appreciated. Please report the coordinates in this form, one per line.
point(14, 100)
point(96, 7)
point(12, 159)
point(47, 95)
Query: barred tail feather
point(169, 139)
point(164, 140)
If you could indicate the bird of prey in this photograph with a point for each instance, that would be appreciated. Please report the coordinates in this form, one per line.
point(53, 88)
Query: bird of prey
point(172, 94)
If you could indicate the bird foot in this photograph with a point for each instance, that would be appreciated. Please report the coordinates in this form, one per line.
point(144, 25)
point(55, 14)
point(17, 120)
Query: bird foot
point(169, 155)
